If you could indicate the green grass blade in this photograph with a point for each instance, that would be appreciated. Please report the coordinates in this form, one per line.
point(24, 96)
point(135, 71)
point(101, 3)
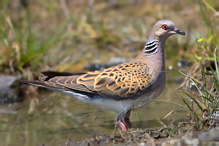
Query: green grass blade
point(170, 102)
point(215, 61)
point(200, 107)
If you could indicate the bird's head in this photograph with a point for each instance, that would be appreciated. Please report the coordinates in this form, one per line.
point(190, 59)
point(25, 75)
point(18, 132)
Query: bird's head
point(165, 28)
point(160, 32)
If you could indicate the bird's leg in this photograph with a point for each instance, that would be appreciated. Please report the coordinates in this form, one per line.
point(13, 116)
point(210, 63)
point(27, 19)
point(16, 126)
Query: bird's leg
point(121, 124)
point(127, 120)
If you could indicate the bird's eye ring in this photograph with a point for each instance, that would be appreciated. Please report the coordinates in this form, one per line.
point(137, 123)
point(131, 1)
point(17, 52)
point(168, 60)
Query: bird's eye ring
point(165, 27)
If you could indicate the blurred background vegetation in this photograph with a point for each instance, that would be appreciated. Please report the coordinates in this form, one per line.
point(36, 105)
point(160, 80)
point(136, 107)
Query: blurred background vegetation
point(65, 35)
point(70, 35)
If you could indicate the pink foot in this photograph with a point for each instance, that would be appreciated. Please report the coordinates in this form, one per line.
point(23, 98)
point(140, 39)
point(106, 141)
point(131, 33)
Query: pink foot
point(128, 122)
point(122, 125)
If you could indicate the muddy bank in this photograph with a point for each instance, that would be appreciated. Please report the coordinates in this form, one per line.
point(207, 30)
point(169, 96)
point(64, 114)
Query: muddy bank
point(158, 136)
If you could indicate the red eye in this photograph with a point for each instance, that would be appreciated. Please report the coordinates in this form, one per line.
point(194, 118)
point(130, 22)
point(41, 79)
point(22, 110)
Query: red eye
point(165, 27)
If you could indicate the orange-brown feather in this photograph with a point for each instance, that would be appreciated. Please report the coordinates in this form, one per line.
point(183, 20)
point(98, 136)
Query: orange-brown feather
point(124, 80)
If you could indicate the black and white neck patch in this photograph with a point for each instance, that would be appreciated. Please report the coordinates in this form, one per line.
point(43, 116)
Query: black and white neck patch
point(151, 48)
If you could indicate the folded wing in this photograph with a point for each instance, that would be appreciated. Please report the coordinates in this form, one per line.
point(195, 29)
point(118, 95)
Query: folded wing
point(118, 82)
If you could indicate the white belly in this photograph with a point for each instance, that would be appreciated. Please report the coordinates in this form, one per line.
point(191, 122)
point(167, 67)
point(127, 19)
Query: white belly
point(104, 103)
point(113, 105)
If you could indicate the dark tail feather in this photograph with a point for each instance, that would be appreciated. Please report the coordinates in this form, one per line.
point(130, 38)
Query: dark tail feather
point(37, 83)
point(50, 86)
point(55, 87)
point(47, 75)
point(54, 73)
point(43, 84)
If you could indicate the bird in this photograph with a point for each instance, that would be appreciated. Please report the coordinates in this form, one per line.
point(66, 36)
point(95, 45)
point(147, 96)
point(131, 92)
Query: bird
point(123, 87)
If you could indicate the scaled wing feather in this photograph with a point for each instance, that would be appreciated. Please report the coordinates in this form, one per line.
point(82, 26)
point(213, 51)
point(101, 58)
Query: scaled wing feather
point(125, 80)
point(118, 82)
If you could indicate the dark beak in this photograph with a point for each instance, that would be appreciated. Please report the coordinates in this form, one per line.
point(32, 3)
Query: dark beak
point(179, 31)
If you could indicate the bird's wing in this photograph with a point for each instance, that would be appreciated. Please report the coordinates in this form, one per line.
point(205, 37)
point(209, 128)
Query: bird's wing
point(64, 80)
point(119, 82)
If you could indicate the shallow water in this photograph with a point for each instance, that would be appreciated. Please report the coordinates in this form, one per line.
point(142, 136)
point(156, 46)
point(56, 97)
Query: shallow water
point(50, 118)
